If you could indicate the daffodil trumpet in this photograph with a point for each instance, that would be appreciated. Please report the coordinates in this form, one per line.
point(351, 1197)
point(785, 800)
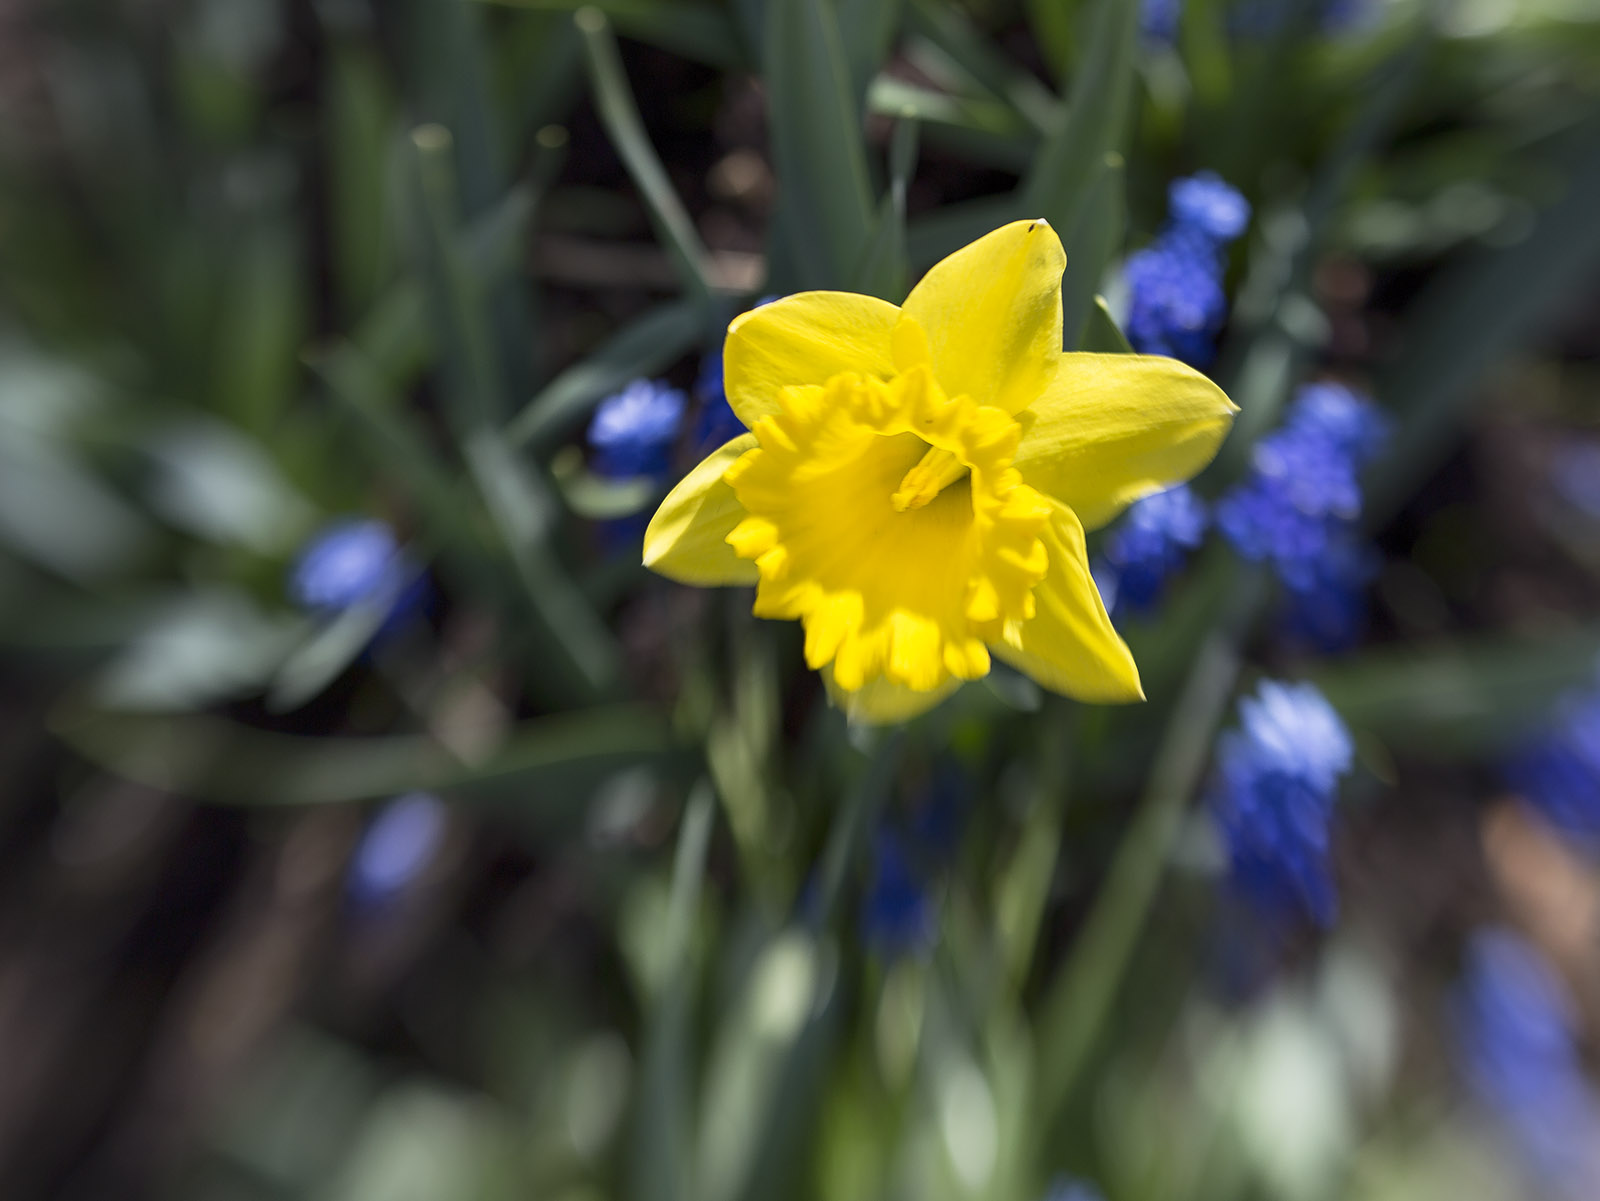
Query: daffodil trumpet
point(916, 480)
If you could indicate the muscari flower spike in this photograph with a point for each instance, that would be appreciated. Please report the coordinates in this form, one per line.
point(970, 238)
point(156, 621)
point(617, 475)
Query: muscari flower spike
point(898, 914)
point(1273, 797)
point(1065, 1188)
point(632, 431)
point(1327, 612)
point(916, 480)
point(1176, 303)
point(396, 847)
point(1303, 494)
point(1557, 771)
point(1519, 1053)
point(356, 561)
point(1151, 543)
point(1208, 205)
point(1158, 20)
point(715, 422)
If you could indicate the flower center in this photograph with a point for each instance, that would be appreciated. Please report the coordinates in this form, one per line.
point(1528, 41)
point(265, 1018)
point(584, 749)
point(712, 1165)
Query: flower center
point(889, 520)
point(934, 472)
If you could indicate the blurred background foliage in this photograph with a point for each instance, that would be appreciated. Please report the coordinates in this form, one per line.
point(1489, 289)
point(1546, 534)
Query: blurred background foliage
point(521, 873)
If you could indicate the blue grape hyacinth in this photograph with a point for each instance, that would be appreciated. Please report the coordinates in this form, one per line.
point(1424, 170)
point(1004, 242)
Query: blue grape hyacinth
point(1298, 508)
point(632, 432)
point(1273, 796)
point(715, 423)
point(1150, 543)
point(397, 846)
point(1176, 303)
point(1342, 418)
point(1518, 1051)
point(1327, 611)
point(1158, 20)
point(1065, 1188)
point(356, 561)
point(1208, 205)
point(1557, 771)
point(898, 914)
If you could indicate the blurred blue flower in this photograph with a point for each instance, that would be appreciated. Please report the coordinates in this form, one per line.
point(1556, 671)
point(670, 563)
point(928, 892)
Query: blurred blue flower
point(1151, 543)
point(716, 422)
point(1298, 506)
point(940, 811)
point(1176, 302)
point(398, 844)
point(1341, 418)
point(1519, 1053)
point(1260, 18)
point(632, 431)
point(1065, 1188)
point(1106, 583)
point(356, 561)
point(1328, 611)
point(1158, 19)
point(1558, 770)
point(1341, 16)
point(1575, 474)
point(1273, 797)
point(898, 916)
point(1209, 205)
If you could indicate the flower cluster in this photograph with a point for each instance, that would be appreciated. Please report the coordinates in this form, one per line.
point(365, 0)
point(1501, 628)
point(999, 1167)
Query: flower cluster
point(1175, 300)
point(1273, 796)
point(1297, 511)
point(1268, 18)
point(632, 432)
point(1519, 1053)
point(898, 913)
point(1558, 770)
point(1158, 20)
point(395, 849)
point(356, 561)
point(1148, 545)
point(1065, 1188)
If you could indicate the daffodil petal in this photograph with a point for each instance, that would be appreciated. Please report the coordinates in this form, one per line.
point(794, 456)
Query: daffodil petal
point(686, 539)
point(1069, 645)
point(882, 701)
point(1114, 427)
point(992, 315)
point(807, 338)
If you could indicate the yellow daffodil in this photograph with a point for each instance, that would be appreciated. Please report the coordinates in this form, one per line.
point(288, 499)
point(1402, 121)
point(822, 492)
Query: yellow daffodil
point(916, 481)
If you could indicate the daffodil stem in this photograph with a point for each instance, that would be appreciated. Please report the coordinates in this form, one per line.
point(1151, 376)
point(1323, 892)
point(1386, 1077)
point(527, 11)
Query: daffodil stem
point(1082, 993)
point(1023, 890)
point(854, 818)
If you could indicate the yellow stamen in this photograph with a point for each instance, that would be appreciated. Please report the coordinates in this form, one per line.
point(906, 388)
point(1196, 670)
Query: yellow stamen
point(936, 471)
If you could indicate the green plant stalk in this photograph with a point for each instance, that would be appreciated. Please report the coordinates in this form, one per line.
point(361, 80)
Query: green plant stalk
point(826, 205)
point(395, 335)
point(477, 391)
point(578, 655)
point(644, 347)
point(1058, 185)
point(1025, 887)
point(659, 1167)
point(855, 818)
point(620, 115)
point(1082, 993)
point(525, 513)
